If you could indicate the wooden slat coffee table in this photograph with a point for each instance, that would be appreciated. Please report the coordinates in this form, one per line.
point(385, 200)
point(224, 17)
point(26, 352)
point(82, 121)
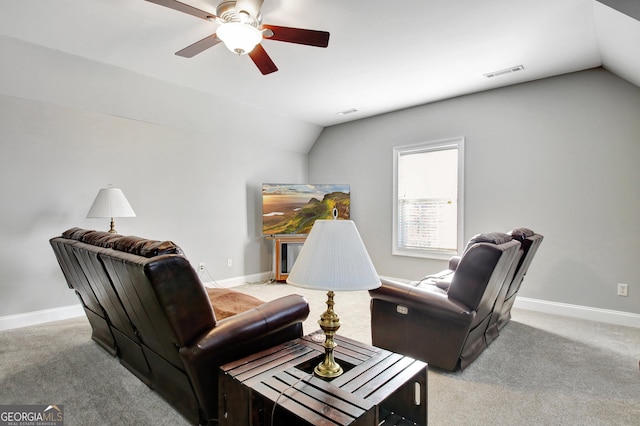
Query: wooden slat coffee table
point(377, 385)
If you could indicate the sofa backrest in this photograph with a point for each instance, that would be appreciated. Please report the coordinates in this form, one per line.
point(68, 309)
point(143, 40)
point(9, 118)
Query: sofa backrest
point(481, 272)
point(72, 272)
point(87, 244)
point(148, 284)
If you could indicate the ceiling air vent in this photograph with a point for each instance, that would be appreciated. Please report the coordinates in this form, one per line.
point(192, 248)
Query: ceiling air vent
point(348, 111)
point(504, 71)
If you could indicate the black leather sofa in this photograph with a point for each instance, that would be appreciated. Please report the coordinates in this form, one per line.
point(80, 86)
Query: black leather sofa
point(147, 306)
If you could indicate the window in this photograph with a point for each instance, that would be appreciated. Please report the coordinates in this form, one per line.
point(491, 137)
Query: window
point(428, 199)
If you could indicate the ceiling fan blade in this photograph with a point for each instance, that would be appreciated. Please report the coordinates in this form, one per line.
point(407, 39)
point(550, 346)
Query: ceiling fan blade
point(199, 46)
point(262, 60)
point(297, 35)
point(182, 7)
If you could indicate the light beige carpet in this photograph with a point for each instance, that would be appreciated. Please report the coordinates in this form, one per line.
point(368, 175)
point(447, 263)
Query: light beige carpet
point(542, 370)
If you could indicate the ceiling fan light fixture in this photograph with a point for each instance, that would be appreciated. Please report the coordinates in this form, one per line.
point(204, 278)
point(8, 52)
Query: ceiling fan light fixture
point(238, 37)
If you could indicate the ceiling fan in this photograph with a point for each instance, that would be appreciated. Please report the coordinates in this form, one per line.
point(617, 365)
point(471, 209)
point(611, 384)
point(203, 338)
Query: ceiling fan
point(241, 30)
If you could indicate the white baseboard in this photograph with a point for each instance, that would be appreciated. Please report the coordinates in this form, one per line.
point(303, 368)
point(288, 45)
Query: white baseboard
point(576, 311)
point(39, 317)
point(26, 319)
point(236, 281)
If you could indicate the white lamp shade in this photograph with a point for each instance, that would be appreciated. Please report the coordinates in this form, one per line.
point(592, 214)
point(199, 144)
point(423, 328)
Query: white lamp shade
point(238, 37)
point(334, 258)
point(111, 202)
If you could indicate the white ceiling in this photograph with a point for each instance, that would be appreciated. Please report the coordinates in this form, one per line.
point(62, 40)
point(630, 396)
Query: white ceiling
point(382, 55)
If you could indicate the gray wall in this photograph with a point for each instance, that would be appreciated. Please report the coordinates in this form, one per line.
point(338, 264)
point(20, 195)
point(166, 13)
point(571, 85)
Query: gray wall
point(558, 155)
point(193, 188)
point(190, 165)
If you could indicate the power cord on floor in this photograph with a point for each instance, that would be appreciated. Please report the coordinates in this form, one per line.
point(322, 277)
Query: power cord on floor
point(260, 283)
point(202, 270)
point(291, 386)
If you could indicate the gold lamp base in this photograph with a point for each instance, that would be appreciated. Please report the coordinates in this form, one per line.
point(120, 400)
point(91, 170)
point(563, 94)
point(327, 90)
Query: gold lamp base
point(112, 229)
point(329, 323)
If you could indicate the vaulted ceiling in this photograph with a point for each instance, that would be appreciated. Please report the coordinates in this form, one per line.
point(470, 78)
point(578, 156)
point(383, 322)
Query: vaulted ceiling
point(382, 55)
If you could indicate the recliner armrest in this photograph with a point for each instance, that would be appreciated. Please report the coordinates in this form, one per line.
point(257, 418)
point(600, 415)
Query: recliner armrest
point(441, 279)
point(424, 298)
point(420, 321)
point(442, 283)
point(453, 262)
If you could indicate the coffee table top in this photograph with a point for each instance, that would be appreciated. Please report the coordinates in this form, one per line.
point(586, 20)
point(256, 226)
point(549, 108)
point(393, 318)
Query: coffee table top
point(284, 375)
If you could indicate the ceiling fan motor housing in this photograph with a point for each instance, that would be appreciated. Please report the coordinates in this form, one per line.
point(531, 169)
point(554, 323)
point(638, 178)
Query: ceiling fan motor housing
point(246, 12)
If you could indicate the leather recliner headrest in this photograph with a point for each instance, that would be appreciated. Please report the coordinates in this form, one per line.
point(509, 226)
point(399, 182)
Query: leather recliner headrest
point(491, 237)
point(521, 233)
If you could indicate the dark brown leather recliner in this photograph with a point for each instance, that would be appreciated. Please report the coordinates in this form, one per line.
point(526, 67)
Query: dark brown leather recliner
point(146, 305)
point(529, 243)
point(445, 327)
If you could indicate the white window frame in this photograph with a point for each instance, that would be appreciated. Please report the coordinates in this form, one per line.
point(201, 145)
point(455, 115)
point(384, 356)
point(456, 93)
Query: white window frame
point(453, 143)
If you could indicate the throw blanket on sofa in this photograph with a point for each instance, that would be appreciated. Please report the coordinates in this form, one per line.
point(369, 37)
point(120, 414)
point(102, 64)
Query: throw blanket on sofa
point(227, 303)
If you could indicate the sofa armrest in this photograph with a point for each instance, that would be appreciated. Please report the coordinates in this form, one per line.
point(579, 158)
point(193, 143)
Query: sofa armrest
point(265, 319)
point(426, 298)
point(257, 323)
point(267, 325)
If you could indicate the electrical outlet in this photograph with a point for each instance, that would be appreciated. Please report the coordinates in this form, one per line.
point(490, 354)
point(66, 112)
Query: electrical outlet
point(229, 263)
point(201, 267)
point(623, 289)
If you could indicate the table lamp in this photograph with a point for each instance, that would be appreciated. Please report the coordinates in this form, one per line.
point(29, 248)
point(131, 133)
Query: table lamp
point(111, 202)
point(333, 258)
